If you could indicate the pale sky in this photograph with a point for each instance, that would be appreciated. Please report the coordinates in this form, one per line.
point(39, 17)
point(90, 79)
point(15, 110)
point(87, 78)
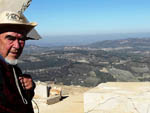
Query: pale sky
point(58, 17)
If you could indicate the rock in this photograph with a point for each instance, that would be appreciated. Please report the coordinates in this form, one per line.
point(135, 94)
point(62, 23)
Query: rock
point(41, 90)
point(118, 97)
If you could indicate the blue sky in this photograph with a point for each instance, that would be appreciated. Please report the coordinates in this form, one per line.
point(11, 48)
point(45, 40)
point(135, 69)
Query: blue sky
point(87, 17)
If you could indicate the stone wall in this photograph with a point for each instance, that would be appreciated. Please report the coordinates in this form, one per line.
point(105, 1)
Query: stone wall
point(118, 97)
point(43, 97)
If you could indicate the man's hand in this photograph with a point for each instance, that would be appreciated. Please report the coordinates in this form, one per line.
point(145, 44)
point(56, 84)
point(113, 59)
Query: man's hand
point(26, 82)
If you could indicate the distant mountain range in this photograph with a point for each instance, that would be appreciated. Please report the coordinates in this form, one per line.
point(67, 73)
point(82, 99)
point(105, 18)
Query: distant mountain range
point(130, 42)
point(76, 40)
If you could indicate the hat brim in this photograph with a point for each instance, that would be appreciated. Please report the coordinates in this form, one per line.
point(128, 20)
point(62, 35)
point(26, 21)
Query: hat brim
point(25, 28)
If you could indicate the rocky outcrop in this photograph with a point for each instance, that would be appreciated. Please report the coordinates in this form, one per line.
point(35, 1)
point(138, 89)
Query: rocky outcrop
point(118, 97)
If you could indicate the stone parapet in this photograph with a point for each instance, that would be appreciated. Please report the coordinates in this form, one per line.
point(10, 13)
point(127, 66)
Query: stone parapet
point(118, 97)
point(41, 90)
point(45, 95)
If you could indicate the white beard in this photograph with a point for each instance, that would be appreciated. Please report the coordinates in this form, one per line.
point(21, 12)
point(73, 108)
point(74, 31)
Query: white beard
point(11, 62)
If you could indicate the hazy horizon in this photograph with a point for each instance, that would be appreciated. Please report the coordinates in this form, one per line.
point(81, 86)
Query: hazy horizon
point(75, 40)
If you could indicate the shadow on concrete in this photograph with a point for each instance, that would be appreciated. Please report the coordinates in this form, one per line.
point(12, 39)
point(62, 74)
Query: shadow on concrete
point(63, 97)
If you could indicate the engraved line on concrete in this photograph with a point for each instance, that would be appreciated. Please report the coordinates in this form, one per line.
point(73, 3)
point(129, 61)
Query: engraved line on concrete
point(148, 108)
point(102, 103)
point(133, 105)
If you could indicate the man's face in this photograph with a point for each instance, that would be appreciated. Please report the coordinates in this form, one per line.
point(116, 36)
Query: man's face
point(11, 45)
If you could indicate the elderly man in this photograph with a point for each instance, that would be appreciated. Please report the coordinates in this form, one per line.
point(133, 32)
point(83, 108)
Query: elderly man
point(16, 89)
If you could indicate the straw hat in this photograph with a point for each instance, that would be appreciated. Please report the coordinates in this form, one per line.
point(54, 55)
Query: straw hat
point(13, 20)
